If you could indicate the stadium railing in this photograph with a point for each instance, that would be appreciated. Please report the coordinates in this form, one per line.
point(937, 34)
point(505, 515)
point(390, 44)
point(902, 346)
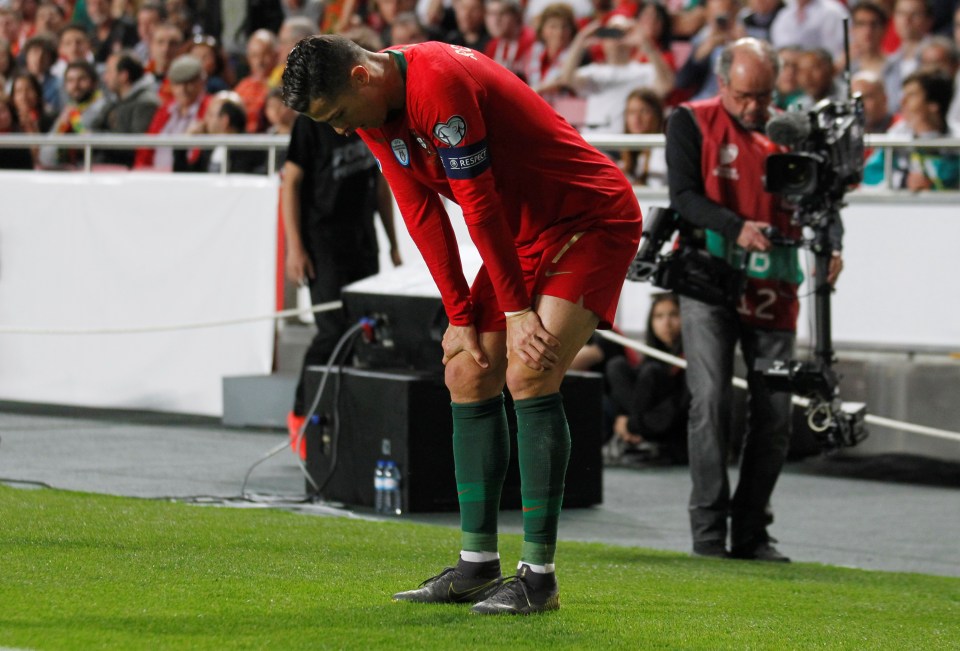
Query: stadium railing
point(273, 143)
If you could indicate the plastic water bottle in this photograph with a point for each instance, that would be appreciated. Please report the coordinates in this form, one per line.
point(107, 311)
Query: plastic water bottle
point(379, 487)
point(391, 481)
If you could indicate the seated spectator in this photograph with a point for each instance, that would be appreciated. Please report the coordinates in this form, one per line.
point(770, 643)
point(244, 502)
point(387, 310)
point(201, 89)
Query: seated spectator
point(810, 24)
point(207, 124)
point(311, 10)
point(556, 28)
point(28, 17)
point(644, 114)
point(687, 17)
point(869, 20)
point(133, 103)
point(214, 62)
point(471, 28)
point(50, 18)
point(815, 73)
point(12, 158)
point(697, 76)
point(8, 67)
point(940, 53)
point(925, 99)
point(10, 22)
point(40, 53)
point(385, 15)
point(109, 34)
point(261, 58)
point(73, 44)
point(605, 86)
point(757, 17)
point(189, 103)
point(406, 29)
point(602, 11)
point(510, 40)
point(654, 24)
point(224, 116)
point(876, 110)
point(181, 14)
point(149, 15)
point(84, 103)
point(651, 400)
point(913, 21)
point(32, 115)
point(293, 30)
point(787, 89)
point(338, 15)
point(164, 48)
point(280, 116)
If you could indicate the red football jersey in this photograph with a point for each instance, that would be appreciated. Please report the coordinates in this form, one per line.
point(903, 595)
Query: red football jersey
point(476, 134)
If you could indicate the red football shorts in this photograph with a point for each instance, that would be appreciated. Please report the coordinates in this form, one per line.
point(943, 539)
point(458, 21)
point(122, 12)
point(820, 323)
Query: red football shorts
point(588, 266)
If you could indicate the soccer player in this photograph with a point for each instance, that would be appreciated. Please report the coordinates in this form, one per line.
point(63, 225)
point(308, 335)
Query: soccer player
point(556, 224)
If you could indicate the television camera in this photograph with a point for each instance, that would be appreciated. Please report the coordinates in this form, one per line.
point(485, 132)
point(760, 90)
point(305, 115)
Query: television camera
point(825, 159)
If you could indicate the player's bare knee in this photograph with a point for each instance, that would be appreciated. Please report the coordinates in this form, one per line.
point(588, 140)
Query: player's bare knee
point(524, 382)
point(467, 380)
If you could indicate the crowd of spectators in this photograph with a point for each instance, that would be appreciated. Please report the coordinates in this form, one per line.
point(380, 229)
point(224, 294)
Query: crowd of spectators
point(608, 66)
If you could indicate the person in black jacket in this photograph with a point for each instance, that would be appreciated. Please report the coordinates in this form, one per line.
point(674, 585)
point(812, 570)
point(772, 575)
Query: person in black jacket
point(330, 192)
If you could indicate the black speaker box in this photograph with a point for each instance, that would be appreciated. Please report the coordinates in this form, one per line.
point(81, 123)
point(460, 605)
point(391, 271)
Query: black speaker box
point(365, 416)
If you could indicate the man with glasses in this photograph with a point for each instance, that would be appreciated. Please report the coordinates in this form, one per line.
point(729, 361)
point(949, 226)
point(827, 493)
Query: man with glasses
point(716, 155)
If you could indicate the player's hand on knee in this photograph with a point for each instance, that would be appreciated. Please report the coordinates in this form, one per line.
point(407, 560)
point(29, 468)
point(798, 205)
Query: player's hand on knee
point(463, 339)
point(531, 343)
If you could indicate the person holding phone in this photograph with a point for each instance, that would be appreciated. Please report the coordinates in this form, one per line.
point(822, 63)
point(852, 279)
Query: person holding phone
point(606, 85)
point(697, 75)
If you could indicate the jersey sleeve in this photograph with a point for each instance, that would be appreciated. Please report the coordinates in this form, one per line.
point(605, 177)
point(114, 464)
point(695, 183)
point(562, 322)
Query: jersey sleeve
point(429, 225)
point(452, 113)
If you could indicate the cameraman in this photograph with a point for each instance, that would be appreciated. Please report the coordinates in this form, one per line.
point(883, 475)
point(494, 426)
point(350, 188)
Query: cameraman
point(716, 153)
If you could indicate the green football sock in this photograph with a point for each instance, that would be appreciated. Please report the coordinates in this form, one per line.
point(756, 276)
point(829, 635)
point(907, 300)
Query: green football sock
point(543, 446)
point(481, 452)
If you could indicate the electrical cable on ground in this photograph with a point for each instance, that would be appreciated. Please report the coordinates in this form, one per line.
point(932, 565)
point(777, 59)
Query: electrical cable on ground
point(880, 421)
point(347, 336)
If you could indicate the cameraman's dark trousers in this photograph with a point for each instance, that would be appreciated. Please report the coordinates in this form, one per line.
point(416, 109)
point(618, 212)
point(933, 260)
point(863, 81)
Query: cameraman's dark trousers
point(710, 334)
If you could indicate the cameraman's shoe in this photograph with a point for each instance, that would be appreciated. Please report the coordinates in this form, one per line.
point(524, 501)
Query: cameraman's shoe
point(465, 583)
point(710, 549)
point(524, 594)
point(762, 551)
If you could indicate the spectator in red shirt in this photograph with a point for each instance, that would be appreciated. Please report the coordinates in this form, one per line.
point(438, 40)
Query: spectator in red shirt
point(189, 103)
point(510, 39)
point(261, 57)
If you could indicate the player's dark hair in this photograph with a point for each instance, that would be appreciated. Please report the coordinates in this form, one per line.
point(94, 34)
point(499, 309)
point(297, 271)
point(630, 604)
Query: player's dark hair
point(319, 66)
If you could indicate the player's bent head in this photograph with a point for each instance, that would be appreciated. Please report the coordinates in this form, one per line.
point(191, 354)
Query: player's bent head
point(319, 67)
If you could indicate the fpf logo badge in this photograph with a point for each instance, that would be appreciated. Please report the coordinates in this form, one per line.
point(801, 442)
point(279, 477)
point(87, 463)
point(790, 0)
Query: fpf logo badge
point(401, 151)
point(727, 155)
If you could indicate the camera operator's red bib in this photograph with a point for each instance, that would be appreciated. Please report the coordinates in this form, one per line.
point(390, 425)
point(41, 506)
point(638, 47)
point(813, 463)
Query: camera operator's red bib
point(732, 162)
